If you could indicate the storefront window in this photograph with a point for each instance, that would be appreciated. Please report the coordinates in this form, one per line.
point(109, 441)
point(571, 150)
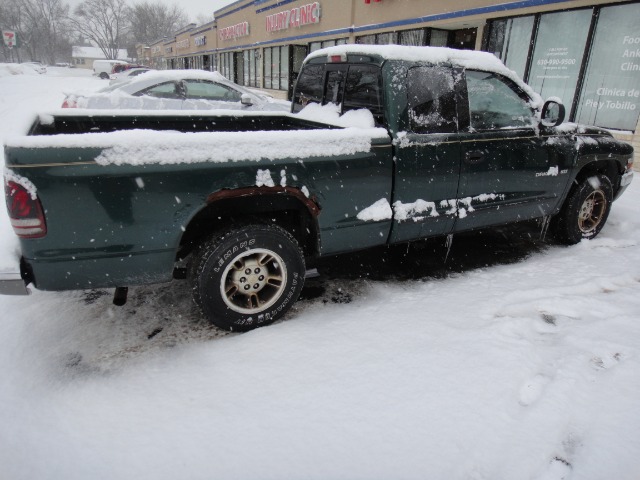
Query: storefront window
point(558, 53)
point(276, 68)
point(267, 68)
point(227, 65)
point(284, 68)
point(250, 78)
point(439, 38)
point(611, 92)
point(510, 40)
point(414, 38)
point(366, 39)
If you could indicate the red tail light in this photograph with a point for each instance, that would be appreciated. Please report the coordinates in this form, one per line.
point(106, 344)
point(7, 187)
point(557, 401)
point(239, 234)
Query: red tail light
point(69, 103)
point(25, 212)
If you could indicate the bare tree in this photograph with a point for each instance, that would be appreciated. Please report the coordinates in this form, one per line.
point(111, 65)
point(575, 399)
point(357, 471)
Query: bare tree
point(49, 25)
point(104, 22)
point(152, 21)
point(41, 26)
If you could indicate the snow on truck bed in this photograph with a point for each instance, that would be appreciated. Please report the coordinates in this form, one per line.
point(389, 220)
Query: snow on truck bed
point(138, 147)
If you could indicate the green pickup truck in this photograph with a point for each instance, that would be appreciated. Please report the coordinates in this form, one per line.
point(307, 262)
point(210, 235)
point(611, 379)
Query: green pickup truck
point(385, 144)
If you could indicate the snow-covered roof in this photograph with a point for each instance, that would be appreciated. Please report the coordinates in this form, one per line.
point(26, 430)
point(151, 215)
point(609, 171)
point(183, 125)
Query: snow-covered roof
point(94, 52)
point(471, 59)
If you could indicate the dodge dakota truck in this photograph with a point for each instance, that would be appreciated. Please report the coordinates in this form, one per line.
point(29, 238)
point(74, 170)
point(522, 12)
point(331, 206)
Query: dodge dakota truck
point(430, 142)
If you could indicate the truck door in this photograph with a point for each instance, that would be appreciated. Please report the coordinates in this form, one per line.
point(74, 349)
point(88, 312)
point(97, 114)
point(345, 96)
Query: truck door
point(427, 155)
point(509, 172)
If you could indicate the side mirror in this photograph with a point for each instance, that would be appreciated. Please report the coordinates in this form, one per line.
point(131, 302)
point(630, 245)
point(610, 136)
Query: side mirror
point(246, 100)
point(552, 113)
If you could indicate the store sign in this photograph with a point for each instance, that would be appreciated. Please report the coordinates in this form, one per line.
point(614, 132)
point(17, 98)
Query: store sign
point(296, 17)
point(200, 41)
point(9, 38)
point(234, 31)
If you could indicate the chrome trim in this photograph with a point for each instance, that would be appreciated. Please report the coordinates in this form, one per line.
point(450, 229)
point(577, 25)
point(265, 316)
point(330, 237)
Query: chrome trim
point(70, 164)
point(626, 179)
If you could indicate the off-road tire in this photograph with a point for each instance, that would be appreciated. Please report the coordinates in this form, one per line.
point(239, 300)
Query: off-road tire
point(585, 211)
point(247, 277)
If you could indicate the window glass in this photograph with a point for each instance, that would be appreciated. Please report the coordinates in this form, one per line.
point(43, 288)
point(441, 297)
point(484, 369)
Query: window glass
point(313, 46)
point(341, 41)
point(510, 39)
point(431, 100)
point(560, 44)
point(387, 38)
point(414, 38)
point(493, 104)
point(362, 90)
point(439, 38)
point(611, 93)
point(309, 87)
point(204, 90)
point(275, 68)
point(164, 90)
point(245, 64)
point(284, 68)
point(267, 68)
point(366, 39)
point(335, 87)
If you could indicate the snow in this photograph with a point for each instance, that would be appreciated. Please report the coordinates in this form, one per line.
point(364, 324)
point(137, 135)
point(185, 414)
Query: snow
point(468, 59)
point(505, 370)
point(140, 147)
point(380, 210)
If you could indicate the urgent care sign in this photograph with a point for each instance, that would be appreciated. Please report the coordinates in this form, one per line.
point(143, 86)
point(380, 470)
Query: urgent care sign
point(296, 17)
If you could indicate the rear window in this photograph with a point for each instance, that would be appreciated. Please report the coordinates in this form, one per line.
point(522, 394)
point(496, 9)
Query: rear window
point(350, 86)
point(309, 87)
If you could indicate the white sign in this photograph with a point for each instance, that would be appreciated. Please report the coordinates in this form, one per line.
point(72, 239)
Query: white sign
point(234, 31)
point(9, 38)
point(296, 17)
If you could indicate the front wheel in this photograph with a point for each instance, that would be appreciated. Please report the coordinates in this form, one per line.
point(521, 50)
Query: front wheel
point(585, 210)
point(247, 278)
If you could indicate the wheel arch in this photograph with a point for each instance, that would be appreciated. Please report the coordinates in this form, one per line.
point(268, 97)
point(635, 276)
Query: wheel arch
point(287, 207)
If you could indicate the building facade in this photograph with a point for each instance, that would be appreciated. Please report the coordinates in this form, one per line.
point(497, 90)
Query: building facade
point(585, 52)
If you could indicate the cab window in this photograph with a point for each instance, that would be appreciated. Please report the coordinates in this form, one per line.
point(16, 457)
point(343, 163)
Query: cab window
point(309, 87)
point(495, 103)
point(431, 100)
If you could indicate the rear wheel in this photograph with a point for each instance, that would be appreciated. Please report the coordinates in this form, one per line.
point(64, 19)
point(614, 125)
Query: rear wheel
point(104, 75)
point(585, 210)
point(247, 278)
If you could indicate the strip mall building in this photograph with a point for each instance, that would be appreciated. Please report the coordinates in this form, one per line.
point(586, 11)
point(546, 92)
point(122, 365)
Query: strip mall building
point(585, 52)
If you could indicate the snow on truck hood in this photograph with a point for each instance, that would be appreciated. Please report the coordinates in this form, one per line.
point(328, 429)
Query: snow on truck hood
point(468, 59)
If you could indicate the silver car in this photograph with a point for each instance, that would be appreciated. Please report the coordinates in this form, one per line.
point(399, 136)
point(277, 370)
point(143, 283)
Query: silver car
point(176, 90)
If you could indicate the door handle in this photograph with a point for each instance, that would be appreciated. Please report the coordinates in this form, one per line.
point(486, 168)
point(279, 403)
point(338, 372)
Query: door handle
point(474, 157)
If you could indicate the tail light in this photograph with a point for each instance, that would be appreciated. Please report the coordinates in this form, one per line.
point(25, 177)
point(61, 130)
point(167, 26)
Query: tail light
point(25, 211)
point(629, 165)
point(69, 103)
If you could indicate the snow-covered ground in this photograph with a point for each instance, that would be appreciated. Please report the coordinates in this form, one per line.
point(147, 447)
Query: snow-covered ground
point(516, 360)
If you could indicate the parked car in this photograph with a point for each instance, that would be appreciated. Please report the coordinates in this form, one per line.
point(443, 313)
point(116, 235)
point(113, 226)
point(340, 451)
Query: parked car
point(121, 67)
point(37, 66)
point(126, 74)
point(103, 68)
point(176, 90)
